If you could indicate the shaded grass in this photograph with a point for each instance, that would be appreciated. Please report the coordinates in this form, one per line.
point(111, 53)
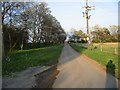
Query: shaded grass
point(97, 55)
point(20, 60)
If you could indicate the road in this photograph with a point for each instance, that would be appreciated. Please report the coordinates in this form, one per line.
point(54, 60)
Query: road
point(23, 79)
point(79, 71)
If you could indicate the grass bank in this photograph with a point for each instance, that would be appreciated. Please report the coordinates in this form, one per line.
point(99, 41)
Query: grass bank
point(97, 55)
point(22, 59)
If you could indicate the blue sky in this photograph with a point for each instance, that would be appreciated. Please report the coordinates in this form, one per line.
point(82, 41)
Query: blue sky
point(69, 13)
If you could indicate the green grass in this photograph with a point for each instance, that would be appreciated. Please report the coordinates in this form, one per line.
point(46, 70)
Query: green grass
point(108, 47)
point(97, 55)
point(22, 59)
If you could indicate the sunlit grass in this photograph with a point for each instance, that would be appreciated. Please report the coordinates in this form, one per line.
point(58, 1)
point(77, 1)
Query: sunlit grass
point(108, 47)
point(97, 55)
point(20, 60)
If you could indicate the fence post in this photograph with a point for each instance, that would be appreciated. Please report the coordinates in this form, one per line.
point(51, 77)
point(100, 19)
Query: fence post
point(115, 51)
point(101, 48)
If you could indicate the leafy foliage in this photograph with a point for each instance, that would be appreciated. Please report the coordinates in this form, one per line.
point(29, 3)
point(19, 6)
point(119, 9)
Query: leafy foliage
point(104, 34)
point(25, 22)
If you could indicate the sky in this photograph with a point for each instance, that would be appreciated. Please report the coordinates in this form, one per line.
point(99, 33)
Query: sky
point(69, 13)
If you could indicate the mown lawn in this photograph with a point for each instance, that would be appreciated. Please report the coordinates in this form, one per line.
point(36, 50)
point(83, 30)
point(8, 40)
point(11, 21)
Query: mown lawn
point(96, 54)
point(20, 60)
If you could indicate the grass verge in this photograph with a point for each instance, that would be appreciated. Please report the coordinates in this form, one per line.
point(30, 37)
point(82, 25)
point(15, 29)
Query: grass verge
point(97, 55)
point(22, 59)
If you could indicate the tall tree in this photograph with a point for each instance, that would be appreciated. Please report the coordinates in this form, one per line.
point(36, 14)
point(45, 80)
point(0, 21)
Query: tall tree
point(114, 30)
point(29, 22)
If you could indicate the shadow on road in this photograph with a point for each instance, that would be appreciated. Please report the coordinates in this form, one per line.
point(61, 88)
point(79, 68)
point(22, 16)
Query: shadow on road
point(46, 78)
point(110, 73)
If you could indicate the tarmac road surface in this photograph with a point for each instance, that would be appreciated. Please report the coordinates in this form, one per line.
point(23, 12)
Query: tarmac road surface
point(79, 71)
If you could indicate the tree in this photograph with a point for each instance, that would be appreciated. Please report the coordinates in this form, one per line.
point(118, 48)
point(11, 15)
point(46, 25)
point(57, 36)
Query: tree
point(24, 21)
point(101, 34)
point(6, 6)
point(114, 30)
point(78, 36)
point(11, 19)
point(106, 37)
point(9, 35)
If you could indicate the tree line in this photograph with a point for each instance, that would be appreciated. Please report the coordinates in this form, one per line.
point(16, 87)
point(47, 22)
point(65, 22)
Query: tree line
point(98, 34)
point(103, 34)
point(29, 23)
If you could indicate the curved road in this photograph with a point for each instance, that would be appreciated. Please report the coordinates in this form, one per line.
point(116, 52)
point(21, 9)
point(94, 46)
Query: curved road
point(79, 71)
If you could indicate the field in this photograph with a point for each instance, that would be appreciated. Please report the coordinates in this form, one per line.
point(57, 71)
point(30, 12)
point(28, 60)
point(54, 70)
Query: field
point(101, 56)
point(108, 47)
point(20, 60)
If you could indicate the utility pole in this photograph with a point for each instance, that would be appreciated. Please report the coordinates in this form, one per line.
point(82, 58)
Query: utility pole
point(87, 16)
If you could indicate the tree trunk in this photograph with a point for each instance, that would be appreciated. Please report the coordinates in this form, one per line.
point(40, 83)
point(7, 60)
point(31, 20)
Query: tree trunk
point(3, 55)
point(21, 46)
point(10, 42)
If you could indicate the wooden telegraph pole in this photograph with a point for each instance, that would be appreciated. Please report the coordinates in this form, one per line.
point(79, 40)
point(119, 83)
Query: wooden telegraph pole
point(87, 16)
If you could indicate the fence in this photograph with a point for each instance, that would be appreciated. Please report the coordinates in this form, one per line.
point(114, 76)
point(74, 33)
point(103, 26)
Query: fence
point(104, 47)
point(109, 48)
